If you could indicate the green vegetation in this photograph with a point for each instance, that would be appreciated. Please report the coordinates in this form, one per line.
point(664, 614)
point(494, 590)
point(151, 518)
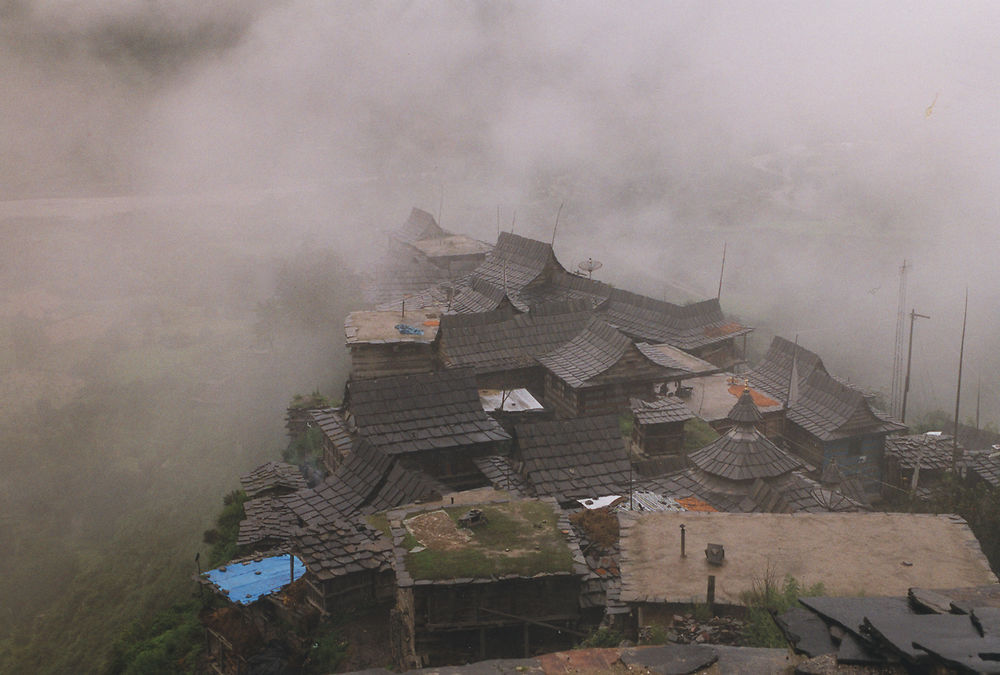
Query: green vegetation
point(380, 522)
point(653, 635)
point(698, 434)
point(312, 401)
point(132, 397)
point(626, 423)
point(306, 449)
point(328, 650)
point(768, 596)
point(172, 642)
point(602, 637)
point(519, 538)
point(222, 538)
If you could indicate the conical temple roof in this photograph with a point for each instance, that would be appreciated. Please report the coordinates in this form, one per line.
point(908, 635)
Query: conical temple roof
point(745, 411)
point(743, 453)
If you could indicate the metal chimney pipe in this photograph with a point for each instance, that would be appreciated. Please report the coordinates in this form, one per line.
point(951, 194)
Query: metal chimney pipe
point(683, 554)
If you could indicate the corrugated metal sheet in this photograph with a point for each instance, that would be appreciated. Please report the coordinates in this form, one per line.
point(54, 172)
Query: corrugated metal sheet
point(246, 582)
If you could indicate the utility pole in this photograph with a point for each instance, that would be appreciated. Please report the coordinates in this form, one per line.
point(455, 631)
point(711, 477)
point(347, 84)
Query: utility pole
point(909, 357)
point(897, 356)
point(718, 296)
point(958, 391)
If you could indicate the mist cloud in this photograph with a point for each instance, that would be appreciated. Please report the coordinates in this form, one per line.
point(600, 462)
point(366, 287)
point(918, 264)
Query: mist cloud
point(665, 129)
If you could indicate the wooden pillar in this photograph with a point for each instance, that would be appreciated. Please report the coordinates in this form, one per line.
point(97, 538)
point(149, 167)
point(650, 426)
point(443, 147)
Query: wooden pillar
point(527, 643)
point(482, 644)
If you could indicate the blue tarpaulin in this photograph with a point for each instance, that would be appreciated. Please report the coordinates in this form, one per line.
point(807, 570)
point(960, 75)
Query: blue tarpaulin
point(245, 582)
point(404, 329)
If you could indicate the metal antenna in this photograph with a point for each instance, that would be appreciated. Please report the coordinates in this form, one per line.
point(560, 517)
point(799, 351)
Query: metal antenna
point(440, 203)
point(556, 226)
point(589, 265)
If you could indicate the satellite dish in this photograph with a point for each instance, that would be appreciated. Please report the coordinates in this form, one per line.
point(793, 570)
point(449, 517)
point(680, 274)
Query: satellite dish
point(589, 265)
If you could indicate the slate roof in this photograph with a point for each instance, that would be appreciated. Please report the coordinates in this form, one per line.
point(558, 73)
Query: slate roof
point(427, 411)
point(268, 520)
point(743, 471)
point(924, 631)
point(405, 486)
point(834, 478)
point(420, 225)
point(773, 372)
point(930, 452)
point(594, 351)
point(272, 475)
point(745, 410)
point(397, 278)
point(685, 326)
point(566, 287)
point(986, 466)
point(342, 547)
point(792, 492)
point(474, 295)
point(334, 428)
point(820, 404)
point(742, 454)
point(368, 480)
point(502, 475)
point(669, 356)
point(661, 411)
point(328, 501)
point(683, 485)
point(493, 342)
point(574, 458)
point(516, 261)
point(524, 273)
point(830, 410)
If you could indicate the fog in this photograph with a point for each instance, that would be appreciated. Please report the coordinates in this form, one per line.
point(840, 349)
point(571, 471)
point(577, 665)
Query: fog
point(165, 160)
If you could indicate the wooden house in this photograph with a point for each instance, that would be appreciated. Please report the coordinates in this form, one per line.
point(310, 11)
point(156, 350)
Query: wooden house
point(384, 343)
point(502, 347)
point(348, 564)
point(572, 459)
point(465, 593)
point(433, 422)
point(916, 464)
point(272, 479)
point(422, 254)
point(600, 370)
point(826, 420)
point(334, 436)
point(743, 470)
point(367, 480)
point(700, 328)
point(658, 427)
point(658, 577)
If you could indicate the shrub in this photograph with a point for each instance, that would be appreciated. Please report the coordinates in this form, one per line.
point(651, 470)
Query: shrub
point(602, 637)
point(767, 597)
